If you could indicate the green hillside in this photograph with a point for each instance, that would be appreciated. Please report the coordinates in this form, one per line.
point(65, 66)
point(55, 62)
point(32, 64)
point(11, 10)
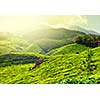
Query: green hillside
point(68, 49)
point(41, 41)
point(51, 33)
point(68, 68)
point(6, 46)
point(64, 61)
point(12, 45)
point(33, 47)
point(45, 45)
point(44, 40)
point(15, 58)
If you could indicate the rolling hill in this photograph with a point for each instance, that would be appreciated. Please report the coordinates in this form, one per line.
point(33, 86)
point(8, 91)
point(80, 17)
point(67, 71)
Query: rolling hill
point(86, 31)
point(68, 49)
point(40, 41)
point(64, 61)
point(12, 45)
point(58, 69)
point(49, 38)
point(51, 33)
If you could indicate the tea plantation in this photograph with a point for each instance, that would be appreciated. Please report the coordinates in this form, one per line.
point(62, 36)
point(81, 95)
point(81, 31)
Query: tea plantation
point(71, 64)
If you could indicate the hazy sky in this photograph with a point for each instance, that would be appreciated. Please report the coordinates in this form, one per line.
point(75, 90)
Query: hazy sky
point(28, 23)
point(93, 22)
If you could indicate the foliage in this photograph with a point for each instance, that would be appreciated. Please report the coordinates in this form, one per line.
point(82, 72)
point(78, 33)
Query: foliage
point(68, 49)
point(80, 81)
point(88, 40)
point(67, 64)
point(61, 69)
point(16, 58)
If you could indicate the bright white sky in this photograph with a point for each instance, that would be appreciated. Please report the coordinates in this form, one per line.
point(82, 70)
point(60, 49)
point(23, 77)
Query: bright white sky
point(28, 23)
point(51, 7)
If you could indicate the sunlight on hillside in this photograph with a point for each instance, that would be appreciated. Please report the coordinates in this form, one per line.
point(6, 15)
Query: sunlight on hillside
point(49, 50)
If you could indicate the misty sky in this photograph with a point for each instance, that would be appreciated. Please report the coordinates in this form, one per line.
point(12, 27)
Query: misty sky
point(93, 22)
point(28, 23)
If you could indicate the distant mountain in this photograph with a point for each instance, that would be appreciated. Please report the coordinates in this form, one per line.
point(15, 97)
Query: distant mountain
point(47, 38)
point(41, 39)
point(93, 32)
point(68, 64)
point(87, 31)
point(51, 33)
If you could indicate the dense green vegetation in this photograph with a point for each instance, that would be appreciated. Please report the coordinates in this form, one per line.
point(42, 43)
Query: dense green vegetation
point(68, 49)
point(67, 68)
point(89, 40)
point(65, 62)
point(16, 58)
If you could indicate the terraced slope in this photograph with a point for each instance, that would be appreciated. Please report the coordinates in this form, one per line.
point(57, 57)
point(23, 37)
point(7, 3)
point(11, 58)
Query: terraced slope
point(68, 49)
point(67, 68)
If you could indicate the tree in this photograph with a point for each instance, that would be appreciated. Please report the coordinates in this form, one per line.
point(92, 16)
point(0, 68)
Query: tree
point(78, 39)
point(88, 40)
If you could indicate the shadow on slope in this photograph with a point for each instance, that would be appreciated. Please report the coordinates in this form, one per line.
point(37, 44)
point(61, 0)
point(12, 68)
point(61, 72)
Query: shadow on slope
point(15, 59)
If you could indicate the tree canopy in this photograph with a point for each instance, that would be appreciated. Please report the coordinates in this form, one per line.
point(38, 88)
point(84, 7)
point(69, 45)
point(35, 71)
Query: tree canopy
point(90, 40)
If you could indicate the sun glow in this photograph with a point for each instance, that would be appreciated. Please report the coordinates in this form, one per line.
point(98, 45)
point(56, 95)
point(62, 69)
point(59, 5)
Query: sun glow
point(27, 23)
